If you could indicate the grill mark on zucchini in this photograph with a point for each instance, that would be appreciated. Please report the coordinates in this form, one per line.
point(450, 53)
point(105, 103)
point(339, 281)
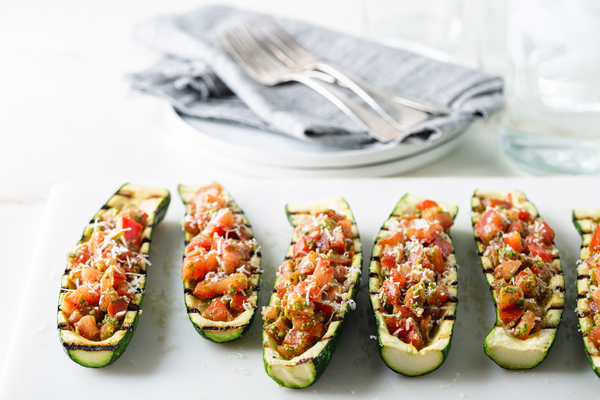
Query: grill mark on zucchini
point(376, 258)
point(582, 295)
point(90, 347)
point(105, 207)
point(450, 317)
point(146, 240)
point(583, 276)
point(223, 328)
point(551, 327)
point(373, 275)
point(488, 271)
point(556, 308)
point(124, 194)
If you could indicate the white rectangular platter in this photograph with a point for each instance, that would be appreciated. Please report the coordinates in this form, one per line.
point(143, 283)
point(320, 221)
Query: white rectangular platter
point(168, 359)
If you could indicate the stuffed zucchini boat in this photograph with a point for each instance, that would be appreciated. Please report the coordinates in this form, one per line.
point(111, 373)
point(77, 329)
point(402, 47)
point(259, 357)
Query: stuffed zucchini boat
point(413, 285)
point(587, 223)
point(103, 285)
point(523, 271)
point(315, 289)
point(221, 265)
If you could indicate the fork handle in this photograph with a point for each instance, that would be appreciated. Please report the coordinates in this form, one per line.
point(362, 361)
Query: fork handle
point(379, 99)
point(375, 125)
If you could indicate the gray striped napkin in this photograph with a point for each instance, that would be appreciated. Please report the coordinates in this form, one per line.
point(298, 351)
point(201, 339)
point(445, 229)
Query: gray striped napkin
point(199, 79)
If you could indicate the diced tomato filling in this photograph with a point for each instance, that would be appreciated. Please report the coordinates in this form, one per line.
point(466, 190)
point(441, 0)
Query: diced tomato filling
point(595, 243)
point(217, 311)
point(131, 230)
point(425, 204)
point(522, 268)
point(310, 284)
point(490, 225)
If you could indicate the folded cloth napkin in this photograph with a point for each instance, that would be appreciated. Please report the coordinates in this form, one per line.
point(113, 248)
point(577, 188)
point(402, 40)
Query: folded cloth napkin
point(199, 79)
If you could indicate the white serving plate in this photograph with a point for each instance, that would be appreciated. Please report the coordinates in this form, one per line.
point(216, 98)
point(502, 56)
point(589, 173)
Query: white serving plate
point(252, 151)
point(170, 360)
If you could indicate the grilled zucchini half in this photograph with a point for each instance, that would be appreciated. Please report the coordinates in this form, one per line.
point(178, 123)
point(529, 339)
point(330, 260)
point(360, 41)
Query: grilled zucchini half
point(399, 356)
point(305, 369)
point(218, 331)
point(96, 354)
point(501, 346)
point(586, 222)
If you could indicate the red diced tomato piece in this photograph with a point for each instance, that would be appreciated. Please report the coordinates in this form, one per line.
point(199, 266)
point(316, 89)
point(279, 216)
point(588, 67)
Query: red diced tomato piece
point(423, 231)
point(596, 296)
point(397, 277)
point(237, 302)
point(324, 273)
point(90, 275)
point(132, 230)
point(438, 296)
point(287, 282)
point(444, 246)
point(346, 225)
point(87, 328)
point(338, 242)
point(271, 312)
point(232, 284)
point(413, 336)
point(123, 290)
point(85, 296)
point(510, 316)
point(295, 342)
point(68, 305)
point(344, 259)
point(308, 263)
point(199, 241)
point(308, 290)
point(396, 326)
point(425, 204)
point(527, 281)
point(287, 268)
point(514, 226)
point(595, 243)
point(507, 269)
point(496, 203)
point(547, 233)
point(523, 215)
point(300, 247)
point(443, 218)
point(220, 223)
point(436, 259)
point(537, 249)
point(489, 225)
point(594, 336)
point(509, 297)
point(325, 308)
point(388, 262)
point(217, 311)
point(391, 292)
point(525, 325)
point(392, 239)
point(117, 306)
point(513, 240)
point(315, 328)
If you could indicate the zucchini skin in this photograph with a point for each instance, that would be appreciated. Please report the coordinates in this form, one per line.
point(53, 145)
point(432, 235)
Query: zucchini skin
point(99, 354)
point(218, 332)
point(502, 348)
point(314, 361)
point(390, 346)
point(583, 219)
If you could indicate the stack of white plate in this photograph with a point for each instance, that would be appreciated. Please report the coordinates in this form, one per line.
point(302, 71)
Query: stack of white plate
point(251, 151)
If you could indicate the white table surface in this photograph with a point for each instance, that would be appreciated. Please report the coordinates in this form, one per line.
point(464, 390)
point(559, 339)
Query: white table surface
point(67, 115)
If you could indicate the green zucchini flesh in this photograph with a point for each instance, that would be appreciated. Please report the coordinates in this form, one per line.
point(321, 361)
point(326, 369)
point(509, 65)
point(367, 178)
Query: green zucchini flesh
point(501, 345)
point(586, 222)
point(305, 369)
point(220, 331)
point(401, 357)
point(96, 354)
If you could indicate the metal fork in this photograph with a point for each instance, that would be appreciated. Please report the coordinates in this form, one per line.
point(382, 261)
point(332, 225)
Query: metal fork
point(262, 65)
point(295, 56)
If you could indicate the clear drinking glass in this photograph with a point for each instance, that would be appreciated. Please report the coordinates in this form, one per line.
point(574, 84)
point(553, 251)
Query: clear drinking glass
point(551, 121)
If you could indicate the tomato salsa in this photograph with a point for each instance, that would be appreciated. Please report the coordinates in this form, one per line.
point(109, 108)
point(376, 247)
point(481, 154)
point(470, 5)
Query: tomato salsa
point(220, 257)
point(593, 295)
point(106, 272)
point(417, 267)
point(519, 246)
point(312, 284)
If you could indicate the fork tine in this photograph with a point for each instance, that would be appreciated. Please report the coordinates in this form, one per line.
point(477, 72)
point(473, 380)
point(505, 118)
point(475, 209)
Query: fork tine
point(286, 43)
point(243, 52)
